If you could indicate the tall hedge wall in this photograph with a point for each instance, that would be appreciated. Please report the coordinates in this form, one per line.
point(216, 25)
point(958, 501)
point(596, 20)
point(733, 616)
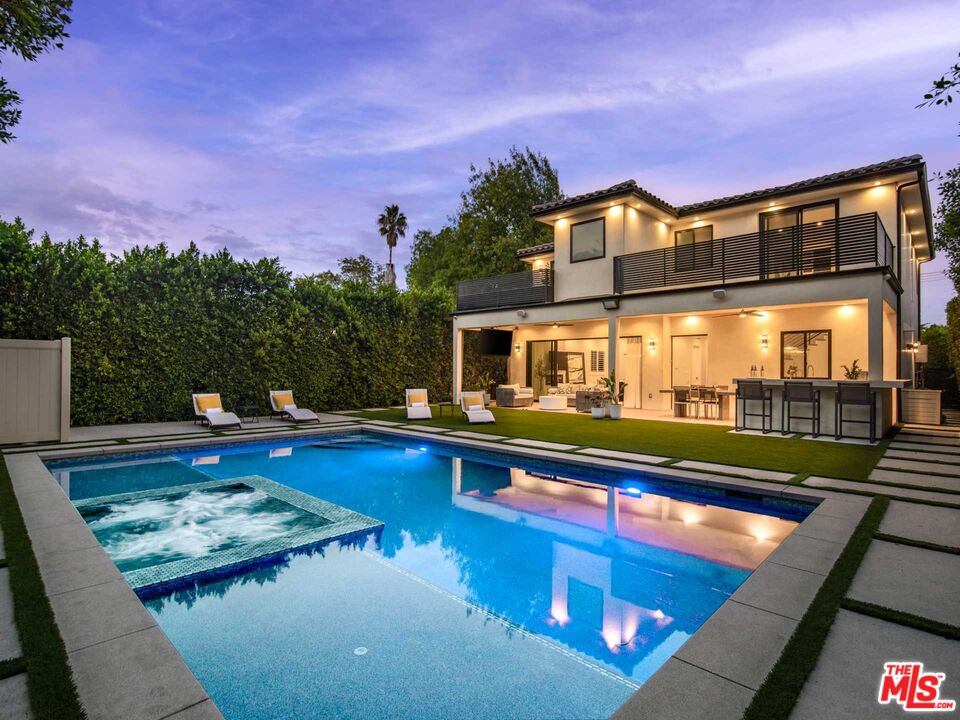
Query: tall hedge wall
point(151, 327)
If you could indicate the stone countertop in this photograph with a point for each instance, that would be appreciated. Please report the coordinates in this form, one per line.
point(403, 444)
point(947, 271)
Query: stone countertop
point(829, 384)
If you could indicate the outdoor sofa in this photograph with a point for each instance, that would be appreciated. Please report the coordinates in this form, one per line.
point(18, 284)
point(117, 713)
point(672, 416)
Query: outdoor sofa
point(514, 396)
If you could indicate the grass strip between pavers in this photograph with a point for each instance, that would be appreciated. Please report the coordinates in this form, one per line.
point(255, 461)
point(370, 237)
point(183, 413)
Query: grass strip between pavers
point(923, 544)
point(11, 667)
point(53, 695)
point(778, 694)
point(951, 632)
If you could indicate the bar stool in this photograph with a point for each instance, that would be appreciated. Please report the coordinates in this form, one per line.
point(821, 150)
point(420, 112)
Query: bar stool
point(800, 392)
point(753, 390)
point(858, 395)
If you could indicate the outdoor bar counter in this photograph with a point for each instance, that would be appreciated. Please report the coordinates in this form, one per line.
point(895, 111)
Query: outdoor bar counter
point(886, 407)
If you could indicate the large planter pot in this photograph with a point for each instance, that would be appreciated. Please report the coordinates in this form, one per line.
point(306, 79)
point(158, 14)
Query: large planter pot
point(616, 412)
point(599, 413)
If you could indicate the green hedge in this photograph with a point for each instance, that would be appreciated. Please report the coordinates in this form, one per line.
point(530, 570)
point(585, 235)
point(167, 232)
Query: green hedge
point(151, 327)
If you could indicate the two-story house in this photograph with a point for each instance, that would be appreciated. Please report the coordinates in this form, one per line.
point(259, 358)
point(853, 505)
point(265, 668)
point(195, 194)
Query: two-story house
point(799, 281)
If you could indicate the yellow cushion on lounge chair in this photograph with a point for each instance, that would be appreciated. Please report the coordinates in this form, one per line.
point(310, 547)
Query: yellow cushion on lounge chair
point(209, 402)
point(281, 400)
point(474, 398)
point(416, 397)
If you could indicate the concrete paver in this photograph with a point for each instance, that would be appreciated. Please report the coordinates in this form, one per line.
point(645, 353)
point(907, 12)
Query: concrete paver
point(894, 492)
point(14, 698)
point(919, 448)
point(165, 690)
point(845, 680)
point(913, 580)
point(739, 642)
point(923, 522)
point(921, 456)
point(99, 613)
point(704, 695)
point(9, 640)
point(807, 553)
point(735, 470)
point(477, 435)
point(917, 478)
point(780, 589)
point(541, 444)
point(620, 455)
point(892, 462)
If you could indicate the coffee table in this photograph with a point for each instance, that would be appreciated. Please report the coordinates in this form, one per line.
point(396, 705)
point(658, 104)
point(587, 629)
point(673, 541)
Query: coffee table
point(553, 402)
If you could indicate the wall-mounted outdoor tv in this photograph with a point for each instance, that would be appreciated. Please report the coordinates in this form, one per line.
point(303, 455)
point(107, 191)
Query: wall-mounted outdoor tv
point(495, 342)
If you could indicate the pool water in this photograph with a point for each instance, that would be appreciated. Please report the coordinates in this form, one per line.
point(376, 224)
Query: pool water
point(497, 588)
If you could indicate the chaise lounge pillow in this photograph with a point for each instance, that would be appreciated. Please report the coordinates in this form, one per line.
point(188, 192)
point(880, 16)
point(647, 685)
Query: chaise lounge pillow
point(474, 408)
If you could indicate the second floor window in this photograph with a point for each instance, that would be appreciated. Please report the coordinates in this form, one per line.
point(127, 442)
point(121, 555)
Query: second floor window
point(587, 240)
point(694, 248)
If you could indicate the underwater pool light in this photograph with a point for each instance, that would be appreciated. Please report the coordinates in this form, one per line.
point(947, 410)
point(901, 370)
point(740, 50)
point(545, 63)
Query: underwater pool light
point(633, 490)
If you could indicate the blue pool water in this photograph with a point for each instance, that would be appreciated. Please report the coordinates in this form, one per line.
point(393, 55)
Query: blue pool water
point(495, 589)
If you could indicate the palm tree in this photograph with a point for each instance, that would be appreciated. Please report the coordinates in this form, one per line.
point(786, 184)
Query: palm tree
point(392, 225)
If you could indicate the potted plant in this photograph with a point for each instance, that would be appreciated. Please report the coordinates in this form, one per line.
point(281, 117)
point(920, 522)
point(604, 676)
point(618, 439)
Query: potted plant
point(615, 392)
point(598, 406)
point(854, 371)
point(486, 382)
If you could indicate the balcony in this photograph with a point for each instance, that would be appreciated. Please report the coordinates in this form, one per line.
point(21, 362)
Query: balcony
point(534, 287)
point(856, 241)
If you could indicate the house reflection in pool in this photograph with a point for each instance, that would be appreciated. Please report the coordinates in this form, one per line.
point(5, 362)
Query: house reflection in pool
point(629, 581)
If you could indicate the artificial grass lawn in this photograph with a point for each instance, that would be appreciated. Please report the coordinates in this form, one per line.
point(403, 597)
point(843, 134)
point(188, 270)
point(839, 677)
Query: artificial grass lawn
point(708, 443)
point(49, 681)
point(778, 694)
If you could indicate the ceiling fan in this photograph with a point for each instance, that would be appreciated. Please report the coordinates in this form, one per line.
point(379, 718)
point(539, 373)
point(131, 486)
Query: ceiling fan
point(554, 325)
point(744, 313)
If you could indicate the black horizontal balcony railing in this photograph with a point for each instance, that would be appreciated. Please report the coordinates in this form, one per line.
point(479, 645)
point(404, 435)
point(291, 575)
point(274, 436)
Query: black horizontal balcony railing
point(820, 247)
point(534, 287)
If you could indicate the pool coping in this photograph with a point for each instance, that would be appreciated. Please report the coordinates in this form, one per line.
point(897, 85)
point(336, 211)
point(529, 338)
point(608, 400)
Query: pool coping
point(723, 663)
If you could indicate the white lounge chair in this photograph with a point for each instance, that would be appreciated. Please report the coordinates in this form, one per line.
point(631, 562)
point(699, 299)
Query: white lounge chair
point(282, 404)
point(418, 406)
point(208, 409)
point(471, 403)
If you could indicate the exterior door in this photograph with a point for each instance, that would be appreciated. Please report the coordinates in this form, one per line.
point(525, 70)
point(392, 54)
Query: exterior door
point(689, 360)
point(630, 370)
point(800, 240)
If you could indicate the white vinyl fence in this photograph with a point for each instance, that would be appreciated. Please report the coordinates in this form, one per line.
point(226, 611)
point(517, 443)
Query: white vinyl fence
point(34, 390)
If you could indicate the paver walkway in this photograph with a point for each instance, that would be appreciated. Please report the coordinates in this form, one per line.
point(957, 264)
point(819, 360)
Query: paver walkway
point(922, 582)
point(14, 701)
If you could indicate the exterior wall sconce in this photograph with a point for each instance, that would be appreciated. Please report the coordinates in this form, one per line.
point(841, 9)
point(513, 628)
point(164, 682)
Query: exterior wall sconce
point(611, 303)
point(764, 342)
point(516, 346)
point(652, 344)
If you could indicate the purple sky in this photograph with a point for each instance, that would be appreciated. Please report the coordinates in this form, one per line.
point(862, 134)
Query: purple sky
point(283, 128)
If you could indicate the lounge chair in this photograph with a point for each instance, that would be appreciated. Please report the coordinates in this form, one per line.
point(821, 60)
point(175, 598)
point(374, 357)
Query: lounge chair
point(471, 403)
point(208, 409)
point(282, 404)
point(418, 406)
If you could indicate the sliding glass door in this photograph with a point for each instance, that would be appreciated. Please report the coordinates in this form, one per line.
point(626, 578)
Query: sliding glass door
point(801, 240)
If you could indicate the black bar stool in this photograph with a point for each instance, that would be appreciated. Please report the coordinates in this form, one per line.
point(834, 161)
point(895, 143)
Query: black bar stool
point(753, 390)
point(800, 392)
point(858, 395)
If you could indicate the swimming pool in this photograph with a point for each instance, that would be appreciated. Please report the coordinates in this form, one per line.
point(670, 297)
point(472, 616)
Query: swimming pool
point(496, 587)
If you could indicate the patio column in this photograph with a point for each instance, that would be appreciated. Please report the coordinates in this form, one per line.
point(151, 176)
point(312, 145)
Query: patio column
point(457, 363)
point(613, 331)
point(875, 338)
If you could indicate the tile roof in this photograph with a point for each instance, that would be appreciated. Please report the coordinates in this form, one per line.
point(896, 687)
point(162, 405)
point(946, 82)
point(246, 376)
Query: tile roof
point(535, 250)
point(631, 187)
point(860, 173)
